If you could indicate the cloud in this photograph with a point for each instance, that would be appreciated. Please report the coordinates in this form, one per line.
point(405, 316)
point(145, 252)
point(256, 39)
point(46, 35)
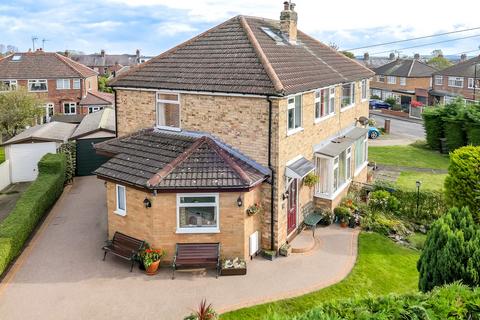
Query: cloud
point(105, 25)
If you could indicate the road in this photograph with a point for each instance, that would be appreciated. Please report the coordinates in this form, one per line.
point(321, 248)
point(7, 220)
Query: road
point(401, 131)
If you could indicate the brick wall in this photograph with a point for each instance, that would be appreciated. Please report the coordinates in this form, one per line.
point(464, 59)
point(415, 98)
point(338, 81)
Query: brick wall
point(411, 84)
point(464, 91)
point(135, 110)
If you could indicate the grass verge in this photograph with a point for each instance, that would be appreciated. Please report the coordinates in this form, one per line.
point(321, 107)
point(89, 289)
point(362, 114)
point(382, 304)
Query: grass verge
point(430, 181)
point(382, 267)
point(408, 156)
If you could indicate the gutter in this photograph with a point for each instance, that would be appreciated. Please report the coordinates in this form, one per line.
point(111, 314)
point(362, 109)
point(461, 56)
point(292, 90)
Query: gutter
point(272, 193)
point(115, 108)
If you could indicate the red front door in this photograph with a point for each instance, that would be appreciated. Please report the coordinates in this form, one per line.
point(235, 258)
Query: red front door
point(292, 206)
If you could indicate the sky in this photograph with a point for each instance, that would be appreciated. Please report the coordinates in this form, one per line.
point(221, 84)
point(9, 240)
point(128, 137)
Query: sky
point(153, 26)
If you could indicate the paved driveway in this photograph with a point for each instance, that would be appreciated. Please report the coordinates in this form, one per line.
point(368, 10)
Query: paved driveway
point(402, 132)
point(62, 276)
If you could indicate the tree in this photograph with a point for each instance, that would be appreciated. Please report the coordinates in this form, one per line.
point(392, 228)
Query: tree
point(103, 84)
point(451, 252)
point(462, 185)
point(439, 61)
point(348, 54)
point(18, 109)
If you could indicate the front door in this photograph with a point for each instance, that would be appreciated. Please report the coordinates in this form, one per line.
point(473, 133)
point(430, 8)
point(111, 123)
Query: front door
point(292, 206)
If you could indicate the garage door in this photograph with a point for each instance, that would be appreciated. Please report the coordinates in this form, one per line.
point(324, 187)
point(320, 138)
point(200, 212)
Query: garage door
point(24, 159)
point(87, 159)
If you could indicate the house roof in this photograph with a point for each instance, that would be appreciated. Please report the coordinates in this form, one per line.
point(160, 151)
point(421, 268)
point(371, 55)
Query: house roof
point(462, 69)
point(406, 68)
point(374, 62)
point(68, 118)
point(52, 131)
point(107, 60)
point(164, 160)
point(103, 120)
point(237, 56)
point(98, 99)
point(41, 65)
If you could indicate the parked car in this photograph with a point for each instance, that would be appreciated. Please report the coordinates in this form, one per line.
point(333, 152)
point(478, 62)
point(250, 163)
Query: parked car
point(373, 133)
point(379, 104)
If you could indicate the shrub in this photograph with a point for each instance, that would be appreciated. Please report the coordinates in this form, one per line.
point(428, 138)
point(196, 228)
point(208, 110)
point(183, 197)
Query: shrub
point(342, 213)
point(31, 207)
point(452, 252)
point(391, 101)
point(454, 133)
point(383, 201)
point(383, 224)
point(462, 183)
point(433, 124)
point(472, 124)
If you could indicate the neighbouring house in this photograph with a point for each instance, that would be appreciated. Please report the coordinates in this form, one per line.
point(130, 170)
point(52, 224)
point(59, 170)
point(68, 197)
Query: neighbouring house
point(373, 62)
point(66, 87)
point(406, 80)
point(109, 64)
point(95, 127)
point(27, 148)
point(230, 123)
point(460, 80)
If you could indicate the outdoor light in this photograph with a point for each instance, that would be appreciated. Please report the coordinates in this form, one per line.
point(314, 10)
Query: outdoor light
point(147, 203)
point(285, 195)
point(239, 201)
point(418, 183)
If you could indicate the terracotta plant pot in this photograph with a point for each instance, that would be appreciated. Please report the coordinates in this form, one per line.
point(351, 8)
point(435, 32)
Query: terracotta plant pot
point(153, 268)
point(343, 224)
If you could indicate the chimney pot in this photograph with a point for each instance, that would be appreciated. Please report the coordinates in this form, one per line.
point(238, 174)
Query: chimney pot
point(416, 56)
point(137, 53)
point(102, 53)
point(366, 56)
point(288, 22)
point(463, 57)
point(286, 5)
point(392, 56)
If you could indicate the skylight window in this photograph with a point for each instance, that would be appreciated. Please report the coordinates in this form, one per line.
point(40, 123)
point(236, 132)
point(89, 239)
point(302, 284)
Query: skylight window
point(272, 35)
point(16, 57)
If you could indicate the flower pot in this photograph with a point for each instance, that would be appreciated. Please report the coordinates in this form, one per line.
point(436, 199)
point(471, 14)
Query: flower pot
point(285, 251)
point(343, 224)
point(153, 268)
point(233, 271)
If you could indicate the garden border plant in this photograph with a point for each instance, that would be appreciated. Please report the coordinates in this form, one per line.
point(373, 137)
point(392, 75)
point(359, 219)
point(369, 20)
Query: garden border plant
point(39, 197)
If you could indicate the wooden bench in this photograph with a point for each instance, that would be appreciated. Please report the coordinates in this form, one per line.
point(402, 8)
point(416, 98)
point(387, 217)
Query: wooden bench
point(188, 255)
point(124, 247)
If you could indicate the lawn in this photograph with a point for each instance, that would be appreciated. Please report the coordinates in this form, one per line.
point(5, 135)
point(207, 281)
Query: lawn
point(382, 267)
point(2, 154)
point(408, 156)
point(430, 181)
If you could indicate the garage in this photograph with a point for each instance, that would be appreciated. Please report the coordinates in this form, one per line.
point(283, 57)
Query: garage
point(27, 148)
point(95, 128)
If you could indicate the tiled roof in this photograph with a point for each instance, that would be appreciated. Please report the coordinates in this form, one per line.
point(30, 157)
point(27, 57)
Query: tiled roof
point(463, 69)
point(52, 131)
point(42, 65)
point(406, 68)
point(96, 121)
point(98, 99)
point(159, 159)
point(239, 57)
point(107, 60)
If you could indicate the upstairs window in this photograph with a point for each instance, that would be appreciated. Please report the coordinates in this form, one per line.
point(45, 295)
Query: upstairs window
point(471, 83)
point(324, 102)
point(76, 83)
point(391, 80)
point(364, 85)
point(63, 84)
point(168, 110)
point(439, 80)
point(294, 116)
point(348, 94)
point(37, 85)
point(381, 78)
point(403, 81)
point(456, 82)
point(8, 85)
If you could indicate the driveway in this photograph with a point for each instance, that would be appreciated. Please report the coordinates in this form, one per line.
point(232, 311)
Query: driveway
point(61, 275)
point(402, 132)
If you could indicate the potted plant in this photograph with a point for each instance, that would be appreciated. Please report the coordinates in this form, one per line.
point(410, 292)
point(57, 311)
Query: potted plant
point(343, 215)
point(254, 209)
point(204, 312)
point(233, 267)
point(269, 254)
point(141, 254)
point(285, 250)
point(151, 260)
point(310, 180)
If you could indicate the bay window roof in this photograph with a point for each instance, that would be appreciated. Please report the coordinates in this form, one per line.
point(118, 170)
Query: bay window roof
point(340, 144)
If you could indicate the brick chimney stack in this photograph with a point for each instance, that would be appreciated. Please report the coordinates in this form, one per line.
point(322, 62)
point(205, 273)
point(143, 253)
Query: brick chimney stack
point(137, 53)
point(288, 21)
point(102, 53)
point(416, 56)
point(463, 57)
point(366, 56)
point(391, 56)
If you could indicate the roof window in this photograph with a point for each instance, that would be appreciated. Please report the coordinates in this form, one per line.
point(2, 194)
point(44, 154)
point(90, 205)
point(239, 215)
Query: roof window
point(272, 35)
point(16, 57)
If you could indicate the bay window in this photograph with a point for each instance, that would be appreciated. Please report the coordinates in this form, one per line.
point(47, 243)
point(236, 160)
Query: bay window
point(198, 213)
point(324, 102)
point(37, 85)
point(294, 116)
point(168, 110)
point(348, 94)
point(361, 153)
point(334, 173)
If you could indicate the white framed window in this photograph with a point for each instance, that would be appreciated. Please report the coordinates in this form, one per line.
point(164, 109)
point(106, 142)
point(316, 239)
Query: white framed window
point(456, 82)
point(168, 110)
point(8, 85)
point(403, 81)
point(334, 173)
point(121, 200)
point(294, 114)
point(69, 108)
point(471, 83)
point(198, 213)
point(361, 153)
point(381, 78)
point(93, 109)
point(391, 80)
point(324, 102)
point(348, 163)
point(348, 95)
point(364, 87)
point(37, 85)
point(439, 80)
point(76, 83)
point(63, 84)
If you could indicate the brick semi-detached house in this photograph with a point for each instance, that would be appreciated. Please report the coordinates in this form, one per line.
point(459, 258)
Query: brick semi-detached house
point(63, 85)
point(207, 128)
point(457, 81)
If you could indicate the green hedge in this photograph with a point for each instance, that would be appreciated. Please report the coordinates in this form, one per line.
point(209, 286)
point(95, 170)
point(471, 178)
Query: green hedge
point(473, 133)
point(455, 134)
point(30, 207)
point(433, 124)
point(449, 302)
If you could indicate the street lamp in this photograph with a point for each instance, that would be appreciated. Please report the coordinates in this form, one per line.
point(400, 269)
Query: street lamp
point(418, 184)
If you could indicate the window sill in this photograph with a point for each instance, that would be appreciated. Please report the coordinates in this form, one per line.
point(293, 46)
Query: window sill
point(293, 131)
point(347, 107)
point(36, 91)
point(120, 213)
point(318, 120)
point(197, 230)
point(360, 169)
point(168, 128)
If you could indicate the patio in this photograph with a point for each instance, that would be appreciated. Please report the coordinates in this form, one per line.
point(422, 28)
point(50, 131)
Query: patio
point(62, 275)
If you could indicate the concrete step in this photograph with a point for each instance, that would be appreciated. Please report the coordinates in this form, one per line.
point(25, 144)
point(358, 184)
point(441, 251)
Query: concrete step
point(303, 242)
